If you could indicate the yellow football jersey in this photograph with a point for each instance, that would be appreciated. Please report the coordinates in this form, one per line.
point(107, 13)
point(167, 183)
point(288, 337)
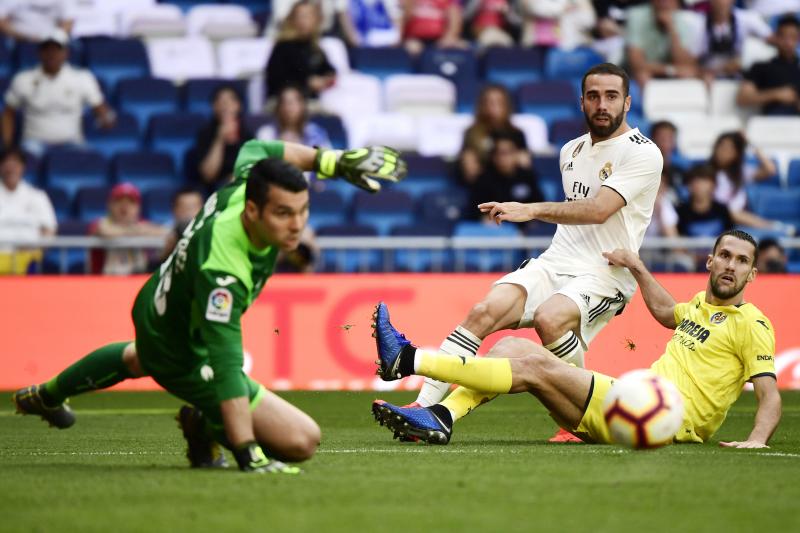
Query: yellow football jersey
point(713, 352)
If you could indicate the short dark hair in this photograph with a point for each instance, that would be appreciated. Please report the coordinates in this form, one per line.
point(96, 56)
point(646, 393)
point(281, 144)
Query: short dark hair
point(186, 189)
point(13, 151)
point(219, 89)
point(700, 170)
point(662, 124)
point(787, 20)
point(768, 242)
point(738, 234)
point(608, 68)
point(268, 172)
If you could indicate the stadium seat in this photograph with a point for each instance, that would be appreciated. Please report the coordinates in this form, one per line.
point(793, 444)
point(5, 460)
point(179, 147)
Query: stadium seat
point(144, 97)
point(69, 260)
point(567, 129)
point(419, 94)
point(467, 92)
point(33, 170)
point(674, 98)
point(441, 135)
point(125, 136)
point(793, 175)
point(390, 129)
point(157, 204)
point(446, 206)
point(382, 62)
point(551, 100)
point(146, 170)
point(696, 135)
point(92, 20)
point(113, 59)
point(336, 52)
point(779, 204)
point(383, 211)
point(219, 21)
point(570, 64)
point(349, 260)
point(755, 50)
point(152, 21)
point(174, 134)
point(181, 58)
point(71, 170)
point(61, 202)
point(513, 66)
point(91, 202)
point(328, 208)
point(775, 134)
point(197, 94)
point(425, 175)
point(6, 66)
point(535, 130)
point(456, 65)
point(334, 126)
point(484, 259)
point(723, 100)
point(410, 259)
point(353, 94)
point(242, 58)
point(26, 54)
point(550, 182)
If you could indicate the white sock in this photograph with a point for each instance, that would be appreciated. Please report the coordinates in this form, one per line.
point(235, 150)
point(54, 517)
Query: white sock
point(460, 342)
point(568, 348)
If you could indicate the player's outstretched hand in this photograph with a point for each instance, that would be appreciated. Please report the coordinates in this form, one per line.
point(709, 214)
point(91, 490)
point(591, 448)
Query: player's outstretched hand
point(362, 167)
point(621, 257)
point(743, 444)
point(508, 211)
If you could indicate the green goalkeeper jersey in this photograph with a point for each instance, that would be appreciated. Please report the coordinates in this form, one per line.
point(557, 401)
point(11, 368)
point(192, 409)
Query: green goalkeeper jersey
point(189, 311)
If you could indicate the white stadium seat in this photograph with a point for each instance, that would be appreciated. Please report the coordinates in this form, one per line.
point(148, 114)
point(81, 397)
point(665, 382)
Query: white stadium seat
point(755, 50)
point(353, 93)
point(397, 130)
point(419, 94)
point(181, 58)
point(535, 129)
point(243, 58)
point(90, 21)
point(160, 20)
point(779, 135)
point(696, 136)
point(671, 98)
point(336, 52)
point(441, 135)
point(220, 21)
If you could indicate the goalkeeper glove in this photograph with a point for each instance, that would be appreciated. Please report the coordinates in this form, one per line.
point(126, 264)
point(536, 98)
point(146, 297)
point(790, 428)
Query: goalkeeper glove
point(362, 167)
point(251, 458)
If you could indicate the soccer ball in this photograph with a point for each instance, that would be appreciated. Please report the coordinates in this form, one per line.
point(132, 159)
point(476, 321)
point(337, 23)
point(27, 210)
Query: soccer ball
point(643, 410)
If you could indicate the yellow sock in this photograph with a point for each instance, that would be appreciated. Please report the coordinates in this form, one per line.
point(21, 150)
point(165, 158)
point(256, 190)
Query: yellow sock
point(478, 373)
point(463, 400)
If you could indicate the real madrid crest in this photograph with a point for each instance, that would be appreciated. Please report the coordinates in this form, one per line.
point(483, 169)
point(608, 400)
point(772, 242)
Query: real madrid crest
point(605, 172)
point(577, 149)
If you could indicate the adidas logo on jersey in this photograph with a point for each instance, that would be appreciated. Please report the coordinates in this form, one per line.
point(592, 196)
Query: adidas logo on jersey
point(639, 139)
point(568, 167)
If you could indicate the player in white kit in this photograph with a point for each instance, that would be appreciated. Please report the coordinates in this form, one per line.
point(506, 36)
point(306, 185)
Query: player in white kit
point(570, 292)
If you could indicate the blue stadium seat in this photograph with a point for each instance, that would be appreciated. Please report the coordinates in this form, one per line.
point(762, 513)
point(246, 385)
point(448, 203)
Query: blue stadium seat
point(174, 134)
point(334, 126)
point(422, 260)
point(513, 66)
point(75, 169)
point(382, 62)
point(144, 97)
point(33, 170)
point(383, 211)
point(111, 60)
point(146, 170)
point(425, 175)
point(551, 100)
point(328, 208)
point(197, 93)
point(157, 204)
point(570, 64)
point(255, 6)
point(793, 176)
point(349, 260)
point(91, 202)
point(61, 202)
point(70, 260)
point(779, 204)
point(444, 206)
point(549, 178)
point(6, 70)
point(455, 65)
point(486, 260)
point(125, 136)
point(566, 129)
point(467, 92)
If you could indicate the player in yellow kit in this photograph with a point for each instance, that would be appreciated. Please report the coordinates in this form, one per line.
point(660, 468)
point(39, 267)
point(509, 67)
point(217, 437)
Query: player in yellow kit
point(720, 343)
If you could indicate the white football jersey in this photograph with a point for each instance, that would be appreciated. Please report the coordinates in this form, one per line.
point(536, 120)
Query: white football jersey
point(630, 164)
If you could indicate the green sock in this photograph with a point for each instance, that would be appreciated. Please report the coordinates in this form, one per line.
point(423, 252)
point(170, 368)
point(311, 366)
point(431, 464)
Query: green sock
point(99, 370)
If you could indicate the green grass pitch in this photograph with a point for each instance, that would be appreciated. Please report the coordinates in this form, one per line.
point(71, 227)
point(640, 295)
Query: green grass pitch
point(121, 468)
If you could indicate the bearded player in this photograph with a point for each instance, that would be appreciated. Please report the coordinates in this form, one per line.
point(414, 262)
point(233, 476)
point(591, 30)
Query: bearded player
point(569, 293)
point(188, 314)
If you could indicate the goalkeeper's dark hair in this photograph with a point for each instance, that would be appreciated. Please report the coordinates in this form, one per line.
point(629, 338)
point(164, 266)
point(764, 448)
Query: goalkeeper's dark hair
point(272, 172)
point(738, 234)
point(608, 68)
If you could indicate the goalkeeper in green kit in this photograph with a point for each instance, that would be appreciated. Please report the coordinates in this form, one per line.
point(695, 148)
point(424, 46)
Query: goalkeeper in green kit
point(187, 316)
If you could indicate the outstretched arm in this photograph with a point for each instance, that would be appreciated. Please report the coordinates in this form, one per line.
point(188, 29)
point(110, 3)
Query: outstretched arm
point(659, 302)
point(767, 416)
point(594, 210)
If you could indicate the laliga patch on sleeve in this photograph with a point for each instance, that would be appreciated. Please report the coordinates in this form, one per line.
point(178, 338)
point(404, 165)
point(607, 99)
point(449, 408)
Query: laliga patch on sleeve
point(220, 305)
